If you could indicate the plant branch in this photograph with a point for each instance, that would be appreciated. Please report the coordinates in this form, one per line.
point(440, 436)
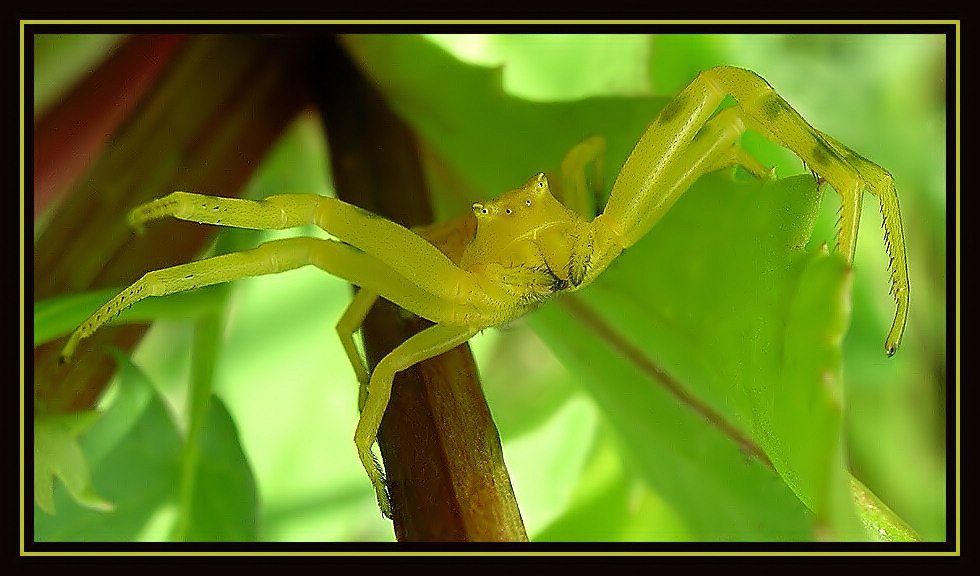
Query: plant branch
point(440, 447)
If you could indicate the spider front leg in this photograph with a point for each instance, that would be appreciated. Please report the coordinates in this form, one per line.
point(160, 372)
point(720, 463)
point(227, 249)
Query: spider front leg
point(407, 253)
point(381, 257)
point(629, 216)
point(271, 257)
point(675, 150)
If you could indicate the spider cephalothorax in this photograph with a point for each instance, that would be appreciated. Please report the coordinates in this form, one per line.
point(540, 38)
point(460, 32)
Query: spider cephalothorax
point(528, 246)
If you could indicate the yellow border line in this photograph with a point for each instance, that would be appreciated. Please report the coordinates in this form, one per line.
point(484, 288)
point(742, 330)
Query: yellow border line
point(23, 379)
point(958, 380)
point(520, 22)
point(23, 552)
point(490, 553)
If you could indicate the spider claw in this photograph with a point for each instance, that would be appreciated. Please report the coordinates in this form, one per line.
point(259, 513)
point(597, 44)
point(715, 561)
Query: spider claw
point(135, 223)
point(383, 493)
point(381, 489)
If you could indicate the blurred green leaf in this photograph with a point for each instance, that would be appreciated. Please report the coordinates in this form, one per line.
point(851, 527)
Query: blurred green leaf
point(133, 450)
point(558, 66)
point(523, 382)
point(224, 506)
point(60, 60)
point(218, 495)
point(676, 58)
point(57, 454)
point(204, 353)
point(57, 317)
point(611, 503)
point(493, 140)
point(136, 454)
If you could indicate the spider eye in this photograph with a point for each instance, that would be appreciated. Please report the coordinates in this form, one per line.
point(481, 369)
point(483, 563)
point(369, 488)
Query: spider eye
point(537, 185)
point(527, 202)
point(508, 210)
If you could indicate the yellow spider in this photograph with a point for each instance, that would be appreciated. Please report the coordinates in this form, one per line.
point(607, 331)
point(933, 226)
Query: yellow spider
point(488, 267)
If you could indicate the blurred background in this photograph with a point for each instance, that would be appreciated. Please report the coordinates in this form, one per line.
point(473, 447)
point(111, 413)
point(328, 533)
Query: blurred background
point(882, 95)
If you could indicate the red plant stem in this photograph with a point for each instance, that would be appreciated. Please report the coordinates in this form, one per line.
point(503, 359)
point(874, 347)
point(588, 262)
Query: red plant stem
point(71, 135)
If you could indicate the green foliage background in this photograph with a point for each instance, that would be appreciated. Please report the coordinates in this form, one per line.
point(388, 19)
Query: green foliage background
point(597, 450)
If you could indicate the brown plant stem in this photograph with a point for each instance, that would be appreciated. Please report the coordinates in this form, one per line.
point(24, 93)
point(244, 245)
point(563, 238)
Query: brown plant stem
point(440, 447)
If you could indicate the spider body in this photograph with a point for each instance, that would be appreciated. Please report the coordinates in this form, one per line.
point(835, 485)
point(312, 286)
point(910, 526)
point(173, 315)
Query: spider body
point(511, 253)
point(527, 247)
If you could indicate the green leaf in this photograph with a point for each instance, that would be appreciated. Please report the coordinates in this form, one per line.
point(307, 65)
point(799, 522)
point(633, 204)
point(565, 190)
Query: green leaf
point(727, 305)
point(879, 519)
point(523, 382)
point(57, 453)
point(748, 325)
point(136, 454)
point(611, 503)
point(558, 66)
point(218, 495)
point(799, 416)
point(57, 317)
point(224, 505)
point(718, 492)
point(493, 140)
point(133, 450)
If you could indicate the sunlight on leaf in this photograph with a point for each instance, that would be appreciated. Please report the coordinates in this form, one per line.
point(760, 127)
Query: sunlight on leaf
point(611, 503)
point(550, 67)
point(879, 519)
point(510, 138)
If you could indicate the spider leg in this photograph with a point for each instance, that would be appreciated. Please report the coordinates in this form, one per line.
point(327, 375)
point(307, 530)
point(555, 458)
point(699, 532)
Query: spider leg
point(424, 345)
point(715, 146)
point(271, 257)
point(405, 251)
point(580, 187)
point(382, 257)
point(349, 323)
point(647, 185)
